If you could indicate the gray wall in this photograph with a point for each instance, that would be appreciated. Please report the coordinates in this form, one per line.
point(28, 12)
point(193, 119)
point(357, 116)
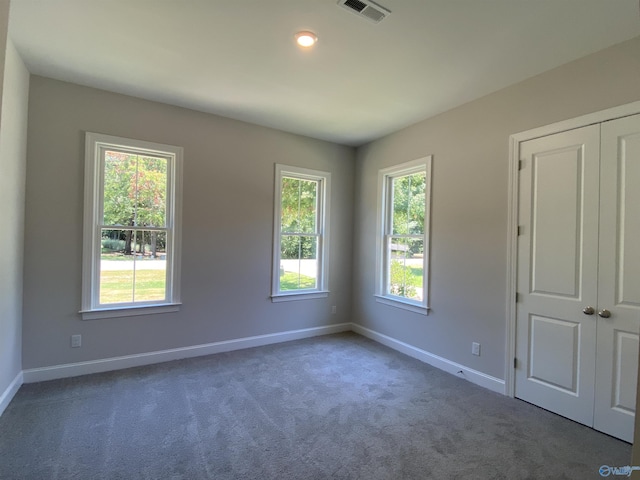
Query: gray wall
point(227, 226)
point(13, 141)
point(469, 209)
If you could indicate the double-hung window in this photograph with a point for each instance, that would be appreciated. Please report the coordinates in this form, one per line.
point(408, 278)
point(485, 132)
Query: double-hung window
point(131, 227)
point(301, 234)
point(403, 239)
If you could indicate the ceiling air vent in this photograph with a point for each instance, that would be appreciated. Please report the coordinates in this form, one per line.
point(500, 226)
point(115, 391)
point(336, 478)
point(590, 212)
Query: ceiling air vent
point(367, 9)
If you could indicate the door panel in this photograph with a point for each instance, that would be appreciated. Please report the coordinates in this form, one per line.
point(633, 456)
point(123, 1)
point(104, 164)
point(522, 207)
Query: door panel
point(625, 367)
point(556, 222)
point(557, 272)
point(619, 278)
point(558, 371)
point(628, 208)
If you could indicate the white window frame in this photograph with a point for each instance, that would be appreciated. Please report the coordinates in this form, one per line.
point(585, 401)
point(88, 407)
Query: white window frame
point(95, 145)
point(385, 216)
point(322, 215)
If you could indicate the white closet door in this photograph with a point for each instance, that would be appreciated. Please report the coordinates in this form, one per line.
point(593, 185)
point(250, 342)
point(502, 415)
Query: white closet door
point(557, 272)
point(619, 278)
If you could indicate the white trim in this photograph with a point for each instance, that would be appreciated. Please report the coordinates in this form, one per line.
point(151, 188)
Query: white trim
point(512, 264)
point(322, 232)
point(95, 143)
point(512, 225)
point(130, 311)
point(402, 304)
point(578, 122)
point(292, 297)
point(407, 168)
point(10, 392)
point(482, 379)
point(117, 363)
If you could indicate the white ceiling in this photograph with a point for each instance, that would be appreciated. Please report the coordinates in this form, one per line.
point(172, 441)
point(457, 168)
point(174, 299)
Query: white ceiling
point(238, 58)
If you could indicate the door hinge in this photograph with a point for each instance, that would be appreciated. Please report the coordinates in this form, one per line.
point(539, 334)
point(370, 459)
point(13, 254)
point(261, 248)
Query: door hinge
point(521, 164)
point(515, 362)
point(520, 230)
point(517, 297)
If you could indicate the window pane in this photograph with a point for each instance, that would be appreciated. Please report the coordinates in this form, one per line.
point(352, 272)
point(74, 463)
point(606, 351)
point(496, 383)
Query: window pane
point(135, 190)
point(150, 266)
point(298, 262)
point(133, 266)
point(151, 191)
point(119, 188)
point(116, 266)
point(308, 205)
point(406, 268)
point(408, 204)
point(299, 208)
point(289, 208)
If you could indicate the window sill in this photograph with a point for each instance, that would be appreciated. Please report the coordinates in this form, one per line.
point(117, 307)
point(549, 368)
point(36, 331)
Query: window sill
point(129, 311)
point(291, 297)
point(412, 307)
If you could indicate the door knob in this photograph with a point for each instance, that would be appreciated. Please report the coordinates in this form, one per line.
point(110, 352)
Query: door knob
point(604, 313)
point(588, 310)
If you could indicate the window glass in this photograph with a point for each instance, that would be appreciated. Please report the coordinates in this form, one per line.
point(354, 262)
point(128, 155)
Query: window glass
point(405, 269)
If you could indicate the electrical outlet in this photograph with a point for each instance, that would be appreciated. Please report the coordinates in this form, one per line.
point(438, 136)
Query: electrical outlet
point(76, 341)
point(475, 348)
point(333, 309)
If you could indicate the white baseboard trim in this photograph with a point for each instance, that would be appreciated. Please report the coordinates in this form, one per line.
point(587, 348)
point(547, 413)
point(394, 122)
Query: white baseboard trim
point(116, 363)
point(10, 392)
point(474, 376)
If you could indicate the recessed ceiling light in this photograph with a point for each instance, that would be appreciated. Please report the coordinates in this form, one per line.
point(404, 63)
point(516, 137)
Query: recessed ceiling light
point(306, 39)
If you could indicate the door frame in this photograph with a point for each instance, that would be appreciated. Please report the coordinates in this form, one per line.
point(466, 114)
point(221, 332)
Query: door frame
point(512, 215)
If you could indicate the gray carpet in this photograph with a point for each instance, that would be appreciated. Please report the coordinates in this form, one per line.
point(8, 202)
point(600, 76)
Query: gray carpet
point(333, 407)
